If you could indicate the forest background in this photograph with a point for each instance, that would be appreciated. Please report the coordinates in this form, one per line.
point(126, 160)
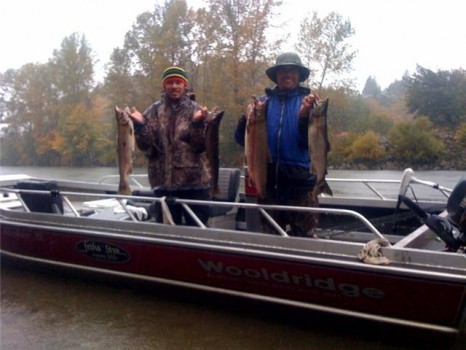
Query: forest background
point(55, 113)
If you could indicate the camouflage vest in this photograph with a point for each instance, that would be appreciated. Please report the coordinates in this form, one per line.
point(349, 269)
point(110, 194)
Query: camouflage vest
point(175, 146)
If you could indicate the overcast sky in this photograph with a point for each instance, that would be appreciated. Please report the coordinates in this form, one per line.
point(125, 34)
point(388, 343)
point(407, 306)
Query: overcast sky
point(392, 36)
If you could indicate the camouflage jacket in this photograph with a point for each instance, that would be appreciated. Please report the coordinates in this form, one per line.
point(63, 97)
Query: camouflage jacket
point(174, 145)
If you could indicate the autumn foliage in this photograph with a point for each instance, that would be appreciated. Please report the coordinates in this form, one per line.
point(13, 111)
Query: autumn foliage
point(57, 113)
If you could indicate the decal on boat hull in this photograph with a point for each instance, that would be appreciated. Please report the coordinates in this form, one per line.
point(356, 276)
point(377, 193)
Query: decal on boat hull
point(102, 251)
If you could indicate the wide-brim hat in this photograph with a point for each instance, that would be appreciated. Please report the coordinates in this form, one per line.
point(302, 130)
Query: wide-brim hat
point(288, 59)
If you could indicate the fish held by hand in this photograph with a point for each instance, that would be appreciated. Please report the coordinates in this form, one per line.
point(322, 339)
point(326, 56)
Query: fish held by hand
point(125, 148)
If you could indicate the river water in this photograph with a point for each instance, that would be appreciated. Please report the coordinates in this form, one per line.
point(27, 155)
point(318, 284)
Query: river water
point(50, 309)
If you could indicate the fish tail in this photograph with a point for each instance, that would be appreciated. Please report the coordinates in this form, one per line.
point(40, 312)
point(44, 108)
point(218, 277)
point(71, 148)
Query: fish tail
point(326, 189)
point(124, 188)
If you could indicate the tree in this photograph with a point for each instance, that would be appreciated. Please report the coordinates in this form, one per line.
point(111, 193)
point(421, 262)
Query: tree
point(346, 111)
point(375, 121)
point(73, 75)
point(323, 44)
point(235, 69)
point(31, 100)
point(73, 68)
point(441, 96)
point(394, 93)
point(79, 139)
point(40, 99)
point(157, 40)
point(241, 46)
point(371, 88)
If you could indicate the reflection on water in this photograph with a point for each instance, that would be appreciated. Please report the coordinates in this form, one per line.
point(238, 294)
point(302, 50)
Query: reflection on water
point(447, 178)
point(70, 173)
point(58, 310)
point(50, 310)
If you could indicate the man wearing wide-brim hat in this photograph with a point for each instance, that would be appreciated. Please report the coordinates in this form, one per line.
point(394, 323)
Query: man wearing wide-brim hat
point(289, 181)
point(285, 61)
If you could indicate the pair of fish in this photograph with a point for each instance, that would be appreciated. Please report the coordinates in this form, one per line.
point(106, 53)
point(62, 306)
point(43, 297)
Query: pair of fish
point(255, 146)
point(257, 153)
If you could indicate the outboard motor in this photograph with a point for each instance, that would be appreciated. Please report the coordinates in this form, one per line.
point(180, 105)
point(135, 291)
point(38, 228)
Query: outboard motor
point(456, 208)
point(452, 230)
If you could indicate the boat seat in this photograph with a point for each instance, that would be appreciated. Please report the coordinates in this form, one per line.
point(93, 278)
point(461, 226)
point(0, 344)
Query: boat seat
point(51, 202)
point(228, 184)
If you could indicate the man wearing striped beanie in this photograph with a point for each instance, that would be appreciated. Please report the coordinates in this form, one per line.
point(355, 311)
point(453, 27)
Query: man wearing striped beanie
point(171, 134)
point(175, 74)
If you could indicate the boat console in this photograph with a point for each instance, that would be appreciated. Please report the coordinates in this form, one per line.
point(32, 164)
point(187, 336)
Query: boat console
point(456, 208)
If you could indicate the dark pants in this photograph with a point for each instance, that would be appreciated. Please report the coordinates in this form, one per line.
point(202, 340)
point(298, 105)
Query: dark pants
point(177, 211)
point(300, 223)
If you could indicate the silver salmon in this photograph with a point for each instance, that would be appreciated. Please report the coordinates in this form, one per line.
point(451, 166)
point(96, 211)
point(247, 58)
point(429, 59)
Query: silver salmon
point(256, 148)
point(212, 146)
point(319, 146)
point(125, 148)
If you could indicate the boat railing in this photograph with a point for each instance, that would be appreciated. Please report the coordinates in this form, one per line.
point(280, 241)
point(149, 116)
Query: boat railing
point(375, 188)
point(366, 182)
point(403, 184)
point(406, 182)
point(104, 200)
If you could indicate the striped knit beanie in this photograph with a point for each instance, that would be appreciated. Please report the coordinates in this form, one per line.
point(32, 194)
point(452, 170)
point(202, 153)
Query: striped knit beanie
point(176, 73)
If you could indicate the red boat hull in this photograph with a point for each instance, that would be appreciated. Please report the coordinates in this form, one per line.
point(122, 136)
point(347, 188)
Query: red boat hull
point(351, 290)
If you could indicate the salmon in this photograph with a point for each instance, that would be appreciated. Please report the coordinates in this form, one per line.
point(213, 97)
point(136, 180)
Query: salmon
point(125, 148)
point(319, 146)
point(256, 148)
point(212, 145)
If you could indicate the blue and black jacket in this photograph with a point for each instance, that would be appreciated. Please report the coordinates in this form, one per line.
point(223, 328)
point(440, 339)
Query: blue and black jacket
point(287, 137)
point(286, 133)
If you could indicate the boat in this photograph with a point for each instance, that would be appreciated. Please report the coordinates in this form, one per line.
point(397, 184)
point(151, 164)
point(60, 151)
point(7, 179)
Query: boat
point(355, 264)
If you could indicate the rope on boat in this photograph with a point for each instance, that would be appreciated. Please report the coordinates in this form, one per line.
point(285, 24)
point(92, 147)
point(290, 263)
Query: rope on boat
point(371, 252)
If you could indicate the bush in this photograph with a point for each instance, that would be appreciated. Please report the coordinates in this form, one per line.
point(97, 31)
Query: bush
point(413, 143)
point(368, 148)
point(460, 135)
